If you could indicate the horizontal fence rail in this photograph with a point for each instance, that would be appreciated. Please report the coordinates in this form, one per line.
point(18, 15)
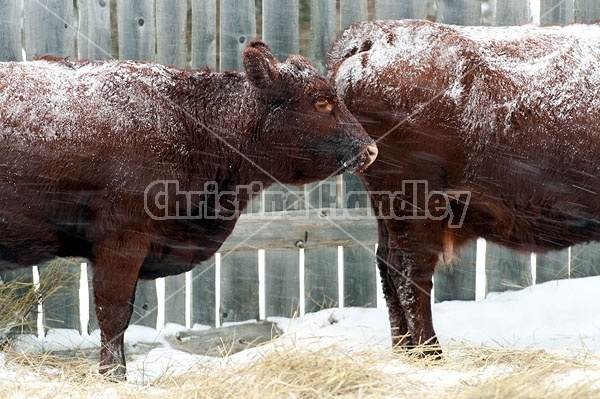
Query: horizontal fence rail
point(285, 257)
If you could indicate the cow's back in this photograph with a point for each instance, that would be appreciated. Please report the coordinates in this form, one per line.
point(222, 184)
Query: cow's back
point(508, 111)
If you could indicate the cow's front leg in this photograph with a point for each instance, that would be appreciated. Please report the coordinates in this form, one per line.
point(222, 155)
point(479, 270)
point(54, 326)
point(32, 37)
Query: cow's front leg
point(411, 274)
point(116, 267)
point(399, 328)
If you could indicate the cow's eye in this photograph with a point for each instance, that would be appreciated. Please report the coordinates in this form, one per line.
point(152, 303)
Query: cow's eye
point(324, 106)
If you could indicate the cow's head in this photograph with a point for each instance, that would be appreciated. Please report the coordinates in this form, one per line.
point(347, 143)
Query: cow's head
point(307, 133)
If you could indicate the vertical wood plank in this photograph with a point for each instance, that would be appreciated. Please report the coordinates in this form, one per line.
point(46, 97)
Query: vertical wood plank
point(204, 33)
point(137, 29)
point(506, 270)
point(587, 11)
point(62, 309)
point(360, 277)
point(49, 28)
point(93, 35)
point(552, 266)
point(323, 30)
point(239, 286)
point(399, 9)
point(203, 293)
point(321, 278)
point(10, 31)
point(556, 12)
point(238, 27)
point(170, 32)
point(352, 11)
point(321, 264)
point(512, 13)
point(459, 12)
point(457, 280)
point(585, 260)
point(175, 299)
point(145, 304)
point(282, 288)
point(281, 27)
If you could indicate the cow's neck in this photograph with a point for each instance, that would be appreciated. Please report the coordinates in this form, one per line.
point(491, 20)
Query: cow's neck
point(226, 115)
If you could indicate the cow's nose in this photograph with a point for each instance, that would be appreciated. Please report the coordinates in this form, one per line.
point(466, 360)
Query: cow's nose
point(371, 152)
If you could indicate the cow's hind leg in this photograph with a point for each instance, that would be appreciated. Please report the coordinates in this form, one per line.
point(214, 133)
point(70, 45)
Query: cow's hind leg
point(116, 266)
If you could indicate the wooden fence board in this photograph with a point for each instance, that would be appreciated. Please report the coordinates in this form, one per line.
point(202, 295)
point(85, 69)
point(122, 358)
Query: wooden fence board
point(352, 11)
point(323, 30)
point(137, 29)
point(459, 12)
point(552, 266)
point(587, 11)
point(203, 293)
point(321, 278)
point(556, 12)
point(239, 286)
point(585, 260)
point(456, 281)
point(170, 32)
point(506, 270)
point(282, 283)
point(175, 299)
point(399, 9)
point(49, 28)
point(360, 277)
point(238, 27)
point(281, 27)
point(93, 35)
point(62, 309)
point(10, 31)
point(204, 33)
point(512, 13)
point(145, 306)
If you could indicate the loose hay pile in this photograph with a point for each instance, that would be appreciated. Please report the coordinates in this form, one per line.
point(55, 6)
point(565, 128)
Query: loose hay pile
point(331, 372)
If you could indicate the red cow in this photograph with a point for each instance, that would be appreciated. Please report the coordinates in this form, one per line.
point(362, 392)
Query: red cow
point(99, 158)
point(500, 124)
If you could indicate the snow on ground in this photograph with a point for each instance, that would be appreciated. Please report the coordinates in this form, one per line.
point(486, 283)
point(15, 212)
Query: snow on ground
point(558, 315)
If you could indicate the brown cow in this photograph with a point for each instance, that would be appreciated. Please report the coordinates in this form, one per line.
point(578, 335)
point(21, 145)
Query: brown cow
point(98, 159)
point(502, 122)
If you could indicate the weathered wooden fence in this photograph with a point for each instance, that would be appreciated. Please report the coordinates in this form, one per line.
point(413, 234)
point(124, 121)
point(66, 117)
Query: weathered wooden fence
point(271, 265)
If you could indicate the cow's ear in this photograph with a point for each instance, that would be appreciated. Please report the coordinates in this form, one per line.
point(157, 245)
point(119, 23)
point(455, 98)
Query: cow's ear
point(260, 65)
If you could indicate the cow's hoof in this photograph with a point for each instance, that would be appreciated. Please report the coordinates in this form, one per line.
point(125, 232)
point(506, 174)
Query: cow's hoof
point(114, 373)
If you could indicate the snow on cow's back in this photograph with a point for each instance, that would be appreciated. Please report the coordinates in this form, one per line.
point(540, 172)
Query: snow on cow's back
point(547, 70)
point(52, 99)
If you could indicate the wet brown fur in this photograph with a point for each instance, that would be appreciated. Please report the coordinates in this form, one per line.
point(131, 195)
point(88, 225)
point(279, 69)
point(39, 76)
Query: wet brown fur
point(76, 187)
point(534, 186)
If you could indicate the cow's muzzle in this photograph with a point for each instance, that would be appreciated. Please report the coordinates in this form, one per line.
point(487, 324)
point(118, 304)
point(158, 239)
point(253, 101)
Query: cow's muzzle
point(371, 152)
